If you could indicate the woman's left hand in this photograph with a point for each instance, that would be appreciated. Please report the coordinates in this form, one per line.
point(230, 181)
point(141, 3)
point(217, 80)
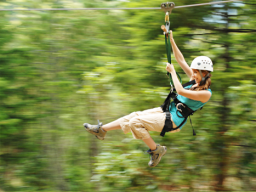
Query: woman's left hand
point(170, 68)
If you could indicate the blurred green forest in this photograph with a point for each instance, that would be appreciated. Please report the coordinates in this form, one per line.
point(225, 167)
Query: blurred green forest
point(60, 69)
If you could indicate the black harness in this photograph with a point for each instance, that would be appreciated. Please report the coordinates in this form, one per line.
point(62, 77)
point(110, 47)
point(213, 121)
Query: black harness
point(182, 108)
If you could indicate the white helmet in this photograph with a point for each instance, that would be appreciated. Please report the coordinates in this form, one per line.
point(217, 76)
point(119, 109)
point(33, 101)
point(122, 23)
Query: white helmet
point(202, 63)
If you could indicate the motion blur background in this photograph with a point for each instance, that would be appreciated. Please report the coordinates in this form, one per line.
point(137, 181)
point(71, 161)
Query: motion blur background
point(60, 69)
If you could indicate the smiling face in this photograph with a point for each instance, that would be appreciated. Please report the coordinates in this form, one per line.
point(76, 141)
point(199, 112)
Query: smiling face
point(196, 75)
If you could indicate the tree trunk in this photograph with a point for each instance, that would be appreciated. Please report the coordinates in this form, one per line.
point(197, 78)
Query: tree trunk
point(225, 112)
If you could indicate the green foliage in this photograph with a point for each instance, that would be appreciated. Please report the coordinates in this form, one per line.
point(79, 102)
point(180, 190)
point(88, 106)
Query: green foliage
point(61, 69)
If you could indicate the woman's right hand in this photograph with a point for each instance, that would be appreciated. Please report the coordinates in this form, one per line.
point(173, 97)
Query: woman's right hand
point(170, 67)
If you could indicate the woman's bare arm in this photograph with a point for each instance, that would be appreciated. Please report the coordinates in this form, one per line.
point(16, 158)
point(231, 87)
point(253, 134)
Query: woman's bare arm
point(179, 57)
point(202, 96)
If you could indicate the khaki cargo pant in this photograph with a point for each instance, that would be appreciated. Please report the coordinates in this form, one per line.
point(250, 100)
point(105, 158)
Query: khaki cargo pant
point(139, 123)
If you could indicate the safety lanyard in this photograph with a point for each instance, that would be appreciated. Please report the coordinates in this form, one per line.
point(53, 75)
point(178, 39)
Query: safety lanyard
point(167, 7)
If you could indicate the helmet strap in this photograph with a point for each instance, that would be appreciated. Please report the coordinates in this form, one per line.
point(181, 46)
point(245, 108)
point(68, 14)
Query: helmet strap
point(203, 78)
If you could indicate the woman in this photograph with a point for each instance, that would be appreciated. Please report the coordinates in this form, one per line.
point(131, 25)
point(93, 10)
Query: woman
point(139, 123)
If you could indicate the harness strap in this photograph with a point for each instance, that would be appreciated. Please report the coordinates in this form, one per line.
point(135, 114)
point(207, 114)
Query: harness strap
point(183, 109)
point(168, 124)
point(187, 84)
point(165, 105)
point(194, 133)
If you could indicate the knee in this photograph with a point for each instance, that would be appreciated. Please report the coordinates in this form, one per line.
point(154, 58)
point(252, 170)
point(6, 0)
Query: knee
point(134, 123)
point(125, 122)
point(137, 128)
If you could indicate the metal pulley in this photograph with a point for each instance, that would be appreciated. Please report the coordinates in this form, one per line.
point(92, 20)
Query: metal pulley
point(168, 6)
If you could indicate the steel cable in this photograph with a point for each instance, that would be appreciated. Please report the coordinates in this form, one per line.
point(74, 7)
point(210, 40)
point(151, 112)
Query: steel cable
point(139, 8)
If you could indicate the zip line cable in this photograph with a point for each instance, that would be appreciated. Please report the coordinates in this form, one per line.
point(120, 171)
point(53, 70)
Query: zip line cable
point(140, 8)
point(202, 4)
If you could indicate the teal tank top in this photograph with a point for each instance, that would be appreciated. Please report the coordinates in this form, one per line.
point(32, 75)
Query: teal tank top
point(192, 104)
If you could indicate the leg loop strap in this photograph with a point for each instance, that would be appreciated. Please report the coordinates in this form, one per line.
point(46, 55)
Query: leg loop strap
point(168, 124)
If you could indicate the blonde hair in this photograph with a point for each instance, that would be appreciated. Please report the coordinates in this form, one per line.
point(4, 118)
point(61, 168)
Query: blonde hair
point(207, 83)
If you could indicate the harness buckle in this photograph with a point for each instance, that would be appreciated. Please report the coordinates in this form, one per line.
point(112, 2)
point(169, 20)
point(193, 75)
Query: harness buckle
point(178, 107)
